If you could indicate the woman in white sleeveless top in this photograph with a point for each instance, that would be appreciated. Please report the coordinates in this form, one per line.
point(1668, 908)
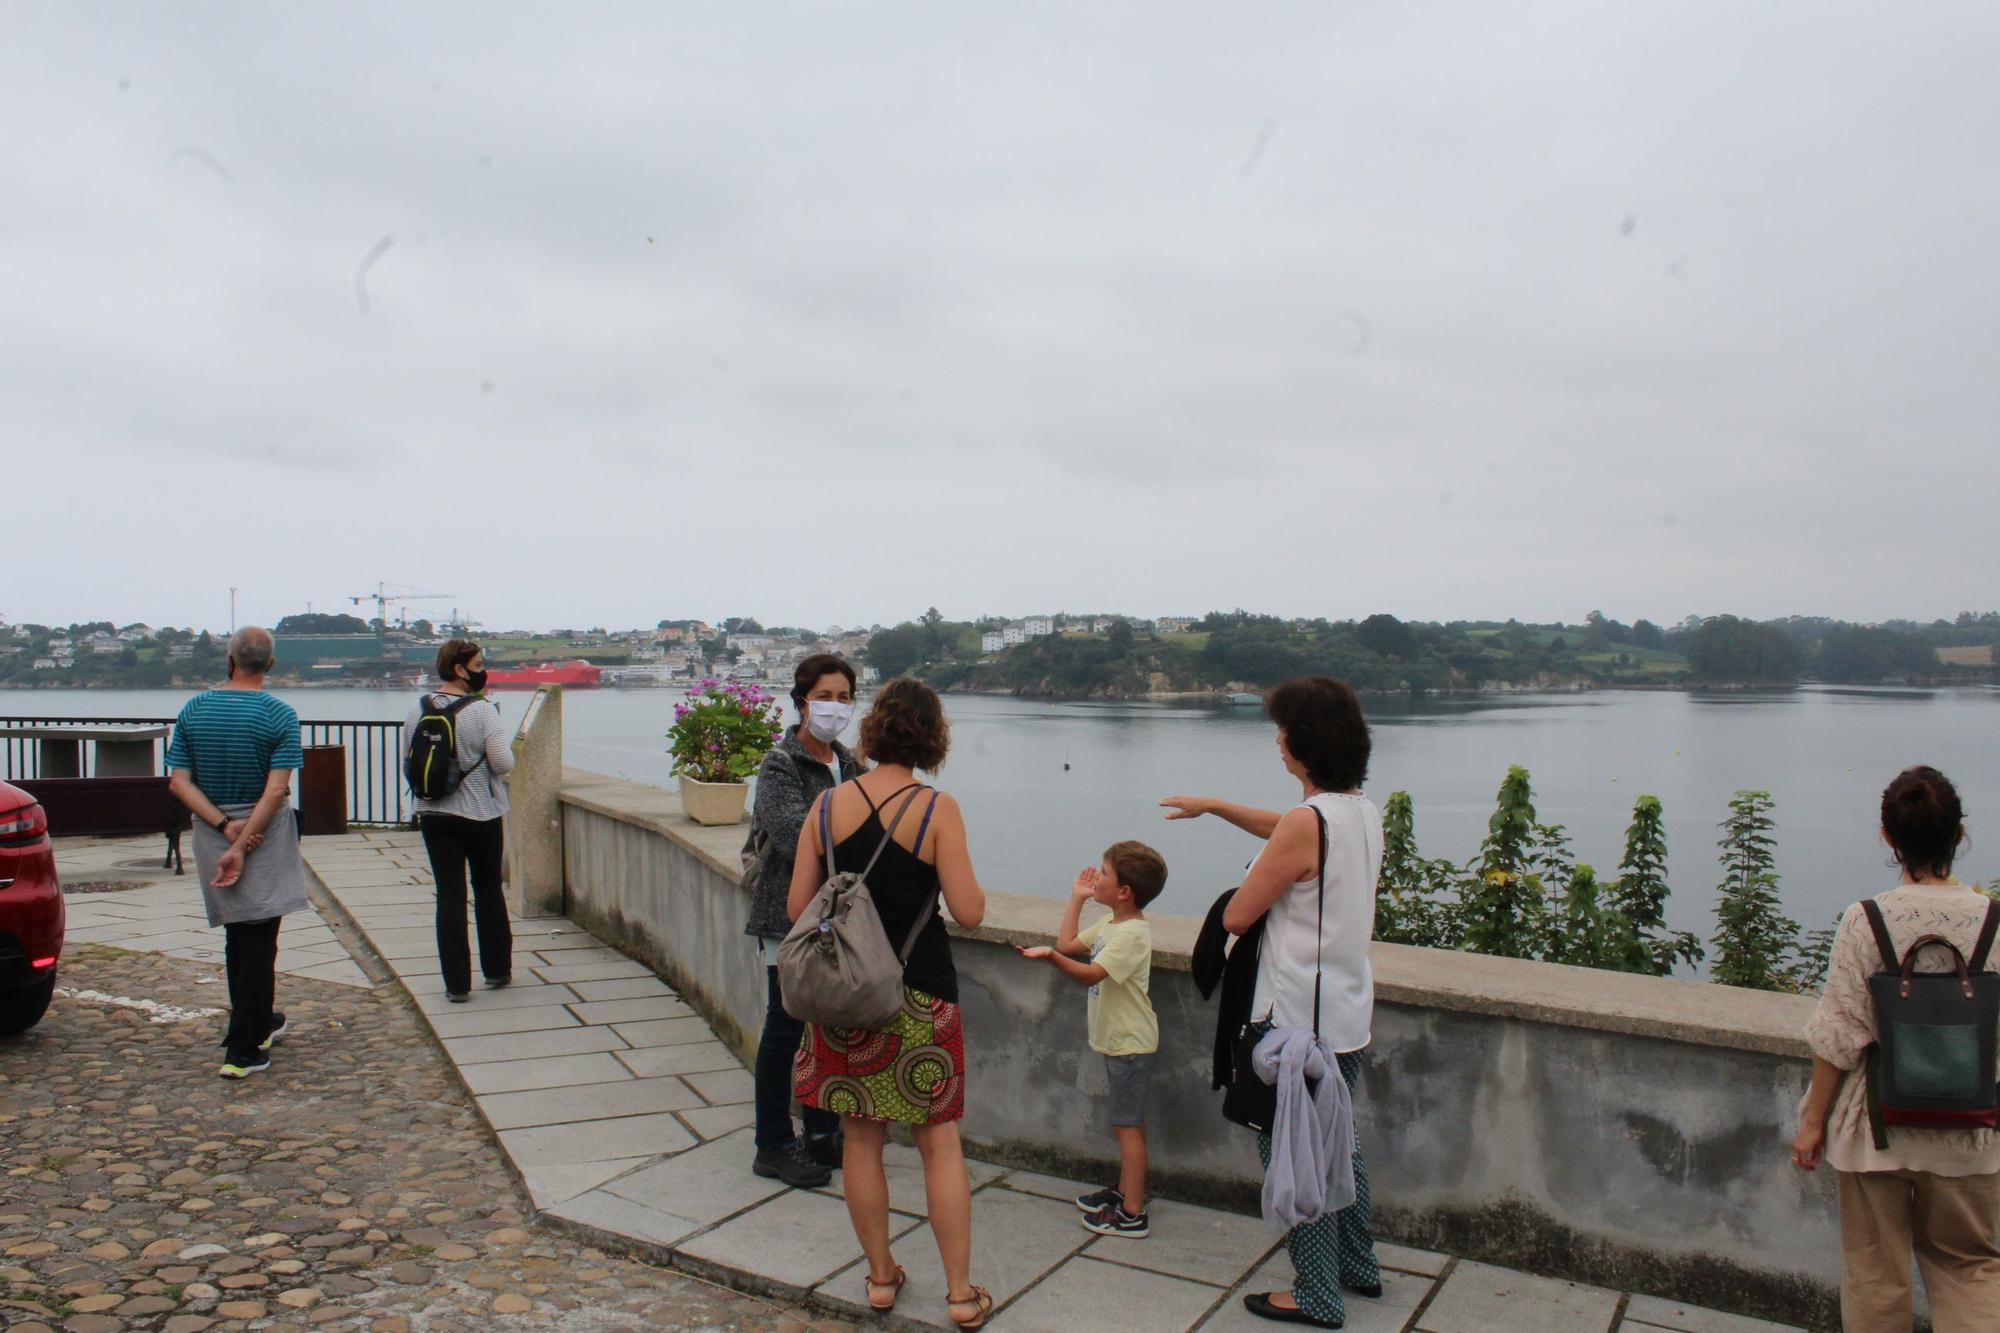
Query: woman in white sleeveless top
point(1323, 741)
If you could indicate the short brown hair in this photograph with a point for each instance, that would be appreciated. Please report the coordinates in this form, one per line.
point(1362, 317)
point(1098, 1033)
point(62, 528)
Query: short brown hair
point(1324, 729)
point(906, 725)
point(454, 653)
point(809, 671)
point(1139, 868)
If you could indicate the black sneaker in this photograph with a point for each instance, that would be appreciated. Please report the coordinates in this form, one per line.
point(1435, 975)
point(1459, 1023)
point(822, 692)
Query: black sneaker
point(243, 1066)
point(1115, 1221)
point(495, 983)
point(1096, 1203)
point(458, 996)
point(827, 1149)
point(279, 1027)
point(792, 1164)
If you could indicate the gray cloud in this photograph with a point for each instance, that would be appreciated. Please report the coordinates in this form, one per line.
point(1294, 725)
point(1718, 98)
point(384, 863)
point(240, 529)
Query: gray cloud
point(832, 316)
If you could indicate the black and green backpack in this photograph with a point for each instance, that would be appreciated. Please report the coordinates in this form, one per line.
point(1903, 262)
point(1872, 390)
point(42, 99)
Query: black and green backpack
point(1932, 1062)
point(431, 765)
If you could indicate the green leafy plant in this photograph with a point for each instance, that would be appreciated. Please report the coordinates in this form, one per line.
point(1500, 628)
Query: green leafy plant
point(1503, 904)
point(1411, 906)
point(723, 731)
point(1756, 944)
point(1639, 897)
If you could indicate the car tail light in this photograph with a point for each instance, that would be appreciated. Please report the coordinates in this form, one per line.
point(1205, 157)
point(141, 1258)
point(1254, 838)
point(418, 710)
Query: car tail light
point(42, 962)
point(24, 825)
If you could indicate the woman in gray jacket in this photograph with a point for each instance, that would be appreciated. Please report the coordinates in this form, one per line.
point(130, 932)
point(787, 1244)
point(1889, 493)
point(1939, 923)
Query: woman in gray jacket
point(463, 830)
point(809, 760)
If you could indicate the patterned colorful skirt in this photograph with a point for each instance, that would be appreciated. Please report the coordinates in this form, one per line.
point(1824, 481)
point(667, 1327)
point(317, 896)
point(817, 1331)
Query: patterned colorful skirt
point(914, 1073)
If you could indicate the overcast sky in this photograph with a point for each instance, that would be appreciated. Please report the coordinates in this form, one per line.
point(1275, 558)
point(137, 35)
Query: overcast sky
point(831, 313)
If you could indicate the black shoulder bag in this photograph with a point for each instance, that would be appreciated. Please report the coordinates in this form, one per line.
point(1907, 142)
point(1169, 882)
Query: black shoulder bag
point(1248, 1100)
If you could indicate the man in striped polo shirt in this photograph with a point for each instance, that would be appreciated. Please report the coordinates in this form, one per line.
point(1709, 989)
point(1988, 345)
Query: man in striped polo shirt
point(233, 753)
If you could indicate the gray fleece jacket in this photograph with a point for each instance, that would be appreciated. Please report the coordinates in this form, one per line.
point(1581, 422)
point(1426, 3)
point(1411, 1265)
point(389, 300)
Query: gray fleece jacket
point(788, 782)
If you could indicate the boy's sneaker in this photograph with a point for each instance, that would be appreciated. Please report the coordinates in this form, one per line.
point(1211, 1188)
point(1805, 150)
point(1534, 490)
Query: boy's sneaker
point(1115, 1221)
point(243, 1066)
point(279, 1027)
point(1108, 1197)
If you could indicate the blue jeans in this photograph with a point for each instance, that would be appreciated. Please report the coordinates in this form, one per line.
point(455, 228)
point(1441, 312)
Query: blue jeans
point(775, 1050)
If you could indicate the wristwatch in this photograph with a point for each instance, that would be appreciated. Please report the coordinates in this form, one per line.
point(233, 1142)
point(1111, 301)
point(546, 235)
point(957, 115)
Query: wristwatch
point(220, 824)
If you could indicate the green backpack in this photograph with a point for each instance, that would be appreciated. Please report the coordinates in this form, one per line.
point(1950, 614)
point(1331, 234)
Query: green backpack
point(1932, 1063)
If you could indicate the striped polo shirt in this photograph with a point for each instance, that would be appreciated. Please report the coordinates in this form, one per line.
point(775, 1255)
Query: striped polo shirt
point(231, 740)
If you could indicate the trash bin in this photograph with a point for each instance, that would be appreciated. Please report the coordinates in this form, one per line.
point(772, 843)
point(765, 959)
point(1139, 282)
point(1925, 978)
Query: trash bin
point(323, 791)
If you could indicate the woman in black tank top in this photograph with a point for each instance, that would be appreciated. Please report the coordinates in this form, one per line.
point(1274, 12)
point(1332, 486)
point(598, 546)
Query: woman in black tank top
point(913, 1072)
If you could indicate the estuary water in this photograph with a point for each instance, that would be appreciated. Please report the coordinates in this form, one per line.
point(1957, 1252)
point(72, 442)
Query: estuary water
point(1823, 754)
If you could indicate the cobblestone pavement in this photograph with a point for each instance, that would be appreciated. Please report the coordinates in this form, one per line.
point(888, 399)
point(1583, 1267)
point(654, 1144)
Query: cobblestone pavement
point(352, 1186)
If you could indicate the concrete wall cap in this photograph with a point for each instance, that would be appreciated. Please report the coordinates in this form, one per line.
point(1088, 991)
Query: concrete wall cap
point(1668, 1008)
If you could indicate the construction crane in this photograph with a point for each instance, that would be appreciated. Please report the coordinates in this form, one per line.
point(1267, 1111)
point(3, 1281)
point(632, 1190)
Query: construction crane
point(386, 593)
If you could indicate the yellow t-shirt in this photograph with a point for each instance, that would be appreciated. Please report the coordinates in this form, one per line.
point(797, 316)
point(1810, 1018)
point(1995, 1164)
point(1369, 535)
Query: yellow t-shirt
point(1121, 1014)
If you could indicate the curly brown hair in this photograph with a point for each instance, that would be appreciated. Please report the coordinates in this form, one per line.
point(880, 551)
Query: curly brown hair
point(906, 725)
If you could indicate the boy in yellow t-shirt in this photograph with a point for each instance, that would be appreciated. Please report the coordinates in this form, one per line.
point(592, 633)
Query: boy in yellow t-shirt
point(1122, 1026)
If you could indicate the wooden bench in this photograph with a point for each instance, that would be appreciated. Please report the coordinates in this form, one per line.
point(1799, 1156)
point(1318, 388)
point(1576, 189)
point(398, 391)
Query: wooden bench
point(112, 807)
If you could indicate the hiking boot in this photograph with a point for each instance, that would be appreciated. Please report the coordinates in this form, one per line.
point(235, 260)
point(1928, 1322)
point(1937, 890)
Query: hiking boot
point(279, 1027)
point(827, 1149)
point(792, 1164)
point(243, 1066)
point(1115, 1221)
point(1096, 1203)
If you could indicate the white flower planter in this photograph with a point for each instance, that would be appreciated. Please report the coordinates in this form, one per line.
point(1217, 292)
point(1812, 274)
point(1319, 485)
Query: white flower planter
point(714, 802)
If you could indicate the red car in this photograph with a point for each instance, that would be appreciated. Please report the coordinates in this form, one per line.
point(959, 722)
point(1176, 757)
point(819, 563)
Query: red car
point(31, 912)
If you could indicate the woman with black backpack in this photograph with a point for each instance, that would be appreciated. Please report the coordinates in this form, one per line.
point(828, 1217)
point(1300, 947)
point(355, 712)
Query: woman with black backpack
point(1919, 1168)
point(457, 750)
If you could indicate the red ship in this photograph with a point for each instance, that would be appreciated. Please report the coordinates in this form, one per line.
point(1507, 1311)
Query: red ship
point(576, 675)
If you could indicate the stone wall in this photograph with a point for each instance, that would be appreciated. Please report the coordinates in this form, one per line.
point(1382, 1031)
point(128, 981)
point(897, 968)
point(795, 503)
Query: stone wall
point(1628, 1131)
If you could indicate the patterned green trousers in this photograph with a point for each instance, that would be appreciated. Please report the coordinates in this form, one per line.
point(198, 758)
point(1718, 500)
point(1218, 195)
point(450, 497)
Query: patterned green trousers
point(1338, 1250)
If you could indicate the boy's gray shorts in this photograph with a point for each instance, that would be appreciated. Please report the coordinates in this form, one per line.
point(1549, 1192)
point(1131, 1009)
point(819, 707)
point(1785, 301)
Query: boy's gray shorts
point(1129, 1076)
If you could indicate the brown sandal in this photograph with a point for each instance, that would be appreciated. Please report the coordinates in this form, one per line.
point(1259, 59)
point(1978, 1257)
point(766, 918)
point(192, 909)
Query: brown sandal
point(981, 1300)
point(871, 1286)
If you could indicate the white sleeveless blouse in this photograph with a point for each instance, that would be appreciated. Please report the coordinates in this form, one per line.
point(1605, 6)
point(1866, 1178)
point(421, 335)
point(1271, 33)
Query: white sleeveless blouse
point(1293, 937)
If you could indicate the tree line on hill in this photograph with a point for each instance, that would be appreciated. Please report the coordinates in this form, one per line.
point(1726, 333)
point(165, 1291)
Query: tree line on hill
point(1384, 653)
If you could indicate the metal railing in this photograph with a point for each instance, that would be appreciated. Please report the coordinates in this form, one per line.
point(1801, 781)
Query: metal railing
point(375, 790)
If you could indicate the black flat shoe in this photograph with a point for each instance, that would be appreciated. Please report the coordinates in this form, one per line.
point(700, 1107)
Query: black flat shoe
point(1373, 1291)
point(1259, 1304)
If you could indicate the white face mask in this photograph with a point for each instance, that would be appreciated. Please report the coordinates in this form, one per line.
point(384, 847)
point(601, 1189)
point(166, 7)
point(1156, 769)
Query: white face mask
point(827, 718)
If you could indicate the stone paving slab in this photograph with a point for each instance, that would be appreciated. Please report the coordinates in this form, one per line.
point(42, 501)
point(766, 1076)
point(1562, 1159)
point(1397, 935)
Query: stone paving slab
point(1017, 1239)
point(605, 1140)
point(904, 1167)
point(555, 1106)
point(1085, 1293)
point(1645, 1314)
point(699, 1057)
point(798, 1239)
point(556, 1071)
point(1478, 1298)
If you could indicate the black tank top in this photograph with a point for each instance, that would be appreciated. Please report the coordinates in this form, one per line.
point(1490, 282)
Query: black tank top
point(901, 884)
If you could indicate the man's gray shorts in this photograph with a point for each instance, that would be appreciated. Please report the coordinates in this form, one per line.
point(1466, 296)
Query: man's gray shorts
point(1129, 1076)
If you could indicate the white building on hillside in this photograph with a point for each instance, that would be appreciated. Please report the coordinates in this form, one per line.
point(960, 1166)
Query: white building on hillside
point(992, 641)
point(1038, 627)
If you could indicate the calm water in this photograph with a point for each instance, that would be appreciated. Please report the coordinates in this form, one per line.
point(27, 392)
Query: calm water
point(1824, 754)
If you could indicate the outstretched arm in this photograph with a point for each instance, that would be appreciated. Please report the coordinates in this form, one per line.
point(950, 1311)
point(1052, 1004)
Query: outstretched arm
point(1257, 823)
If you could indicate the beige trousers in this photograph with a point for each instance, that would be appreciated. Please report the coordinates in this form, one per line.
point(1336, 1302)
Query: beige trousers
point(1952, 1223)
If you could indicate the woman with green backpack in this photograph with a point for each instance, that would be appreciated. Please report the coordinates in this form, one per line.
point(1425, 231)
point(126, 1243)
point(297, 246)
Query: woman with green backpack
point(1902, 1102)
